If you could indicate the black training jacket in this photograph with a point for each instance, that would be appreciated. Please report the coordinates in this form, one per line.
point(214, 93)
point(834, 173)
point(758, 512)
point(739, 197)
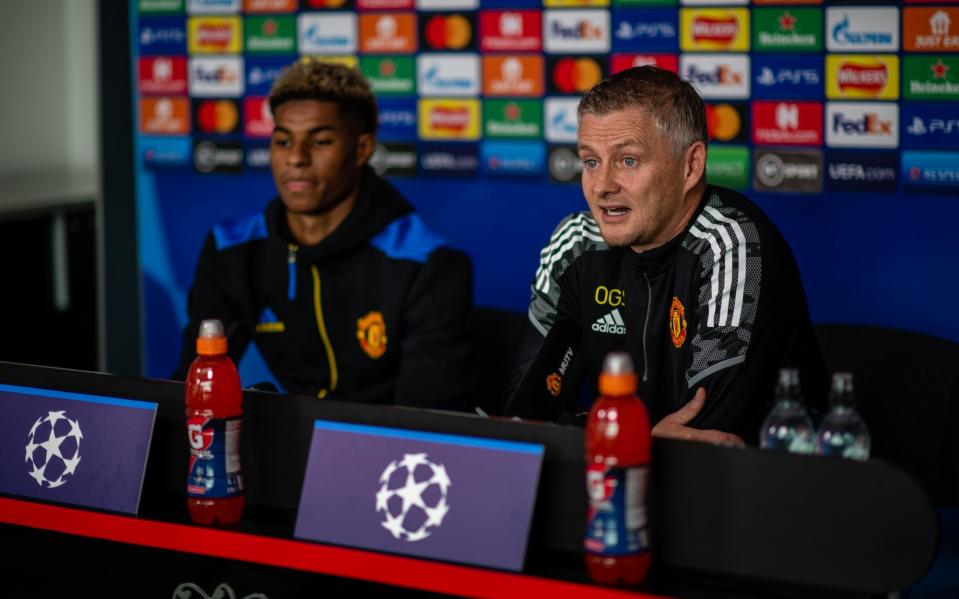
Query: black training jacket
point(379, 304)
point(721, 306)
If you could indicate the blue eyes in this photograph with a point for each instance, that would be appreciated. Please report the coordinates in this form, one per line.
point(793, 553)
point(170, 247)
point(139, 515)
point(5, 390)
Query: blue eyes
point(591, 163)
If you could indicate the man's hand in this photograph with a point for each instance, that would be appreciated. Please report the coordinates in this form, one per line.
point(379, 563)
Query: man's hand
point(674, 425)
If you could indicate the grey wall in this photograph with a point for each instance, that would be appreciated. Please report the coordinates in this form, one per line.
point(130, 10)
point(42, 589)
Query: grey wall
point(48, 104)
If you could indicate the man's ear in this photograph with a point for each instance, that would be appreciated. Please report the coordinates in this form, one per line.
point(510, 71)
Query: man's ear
point(694, 165)
point(365, 146)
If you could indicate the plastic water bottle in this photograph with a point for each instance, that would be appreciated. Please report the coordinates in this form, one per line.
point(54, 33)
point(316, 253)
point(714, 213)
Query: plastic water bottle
point(788, 427)
point(214, 411)
point(618, 448)
point(843, 432)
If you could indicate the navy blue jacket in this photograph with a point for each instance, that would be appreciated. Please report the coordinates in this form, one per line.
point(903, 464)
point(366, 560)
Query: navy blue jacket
point(379, 305)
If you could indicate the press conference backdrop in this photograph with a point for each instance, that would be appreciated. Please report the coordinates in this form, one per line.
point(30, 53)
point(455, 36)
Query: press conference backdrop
point(840, 120)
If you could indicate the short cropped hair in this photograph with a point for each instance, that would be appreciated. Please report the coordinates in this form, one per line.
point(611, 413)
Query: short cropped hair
point(310, 79)
point(671, 102)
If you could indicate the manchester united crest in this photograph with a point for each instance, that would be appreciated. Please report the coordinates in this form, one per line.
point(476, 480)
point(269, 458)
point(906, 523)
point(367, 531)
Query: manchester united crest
point(554, 384)
point(371, 333)
point(677, 322)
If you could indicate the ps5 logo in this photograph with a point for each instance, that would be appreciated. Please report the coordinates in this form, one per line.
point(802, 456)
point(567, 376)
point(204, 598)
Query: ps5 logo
point(936, 126)
point(768, 77)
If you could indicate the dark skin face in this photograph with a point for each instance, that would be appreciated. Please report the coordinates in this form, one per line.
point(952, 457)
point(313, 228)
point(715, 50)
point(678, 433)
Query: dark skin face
point(317, 160)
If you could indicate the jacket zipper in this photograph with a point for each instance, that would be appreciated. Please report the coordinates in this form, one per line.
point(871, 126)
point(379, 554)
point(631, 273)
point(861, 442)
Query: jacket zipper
point(321, 324)
point(649, 300)
point(291, 268)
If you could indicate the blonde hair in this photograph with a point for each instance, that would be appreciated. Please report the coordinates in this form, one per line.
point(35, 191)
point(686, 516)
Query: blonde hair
point(671, 102)
point(310, 79)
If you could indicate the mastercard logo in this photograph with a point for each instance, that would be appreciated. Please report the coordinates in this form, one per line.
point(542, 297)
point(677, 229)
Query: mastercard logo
point(723, 122)
point(448, 32)
point(217, 116)
point(576, 75)
point(326, 3)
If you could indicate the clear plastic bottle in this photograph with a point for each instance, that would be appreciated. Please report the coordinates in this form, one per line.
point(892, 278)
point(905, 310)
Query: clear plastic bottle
point(788, 426)
point(214, 411)
point(843, 432)
point(618, 449)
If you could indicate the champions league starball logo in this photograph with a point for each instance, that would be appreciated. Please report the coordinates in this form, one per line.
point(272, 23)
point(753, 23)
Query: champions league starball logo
point(412, 497)
point(53, 449)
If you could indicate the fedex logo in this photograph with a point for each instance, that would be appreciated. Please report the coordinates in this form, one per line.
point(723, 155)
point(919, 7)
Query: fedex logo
point(862, 124)
point(216, 76)
point(717, 75)
point(869, 123)
point(576, 31)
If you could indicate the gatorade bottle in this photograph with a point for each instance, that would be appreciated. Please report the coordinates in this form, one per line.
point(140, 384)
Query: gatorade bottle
point(213, 415)
point(617, 471)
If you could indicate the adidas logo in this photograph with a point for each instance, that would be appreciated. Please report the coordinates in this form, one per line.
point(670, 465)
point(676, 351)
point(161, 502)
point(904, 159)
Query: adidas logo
point(612, 323)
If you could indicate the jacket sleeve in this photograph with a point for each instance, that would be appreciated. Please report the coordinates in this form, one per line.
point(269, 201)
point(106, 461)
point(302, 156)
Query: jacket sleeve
point(209, 298)
point(437, 367)
point(552, 299)
point(747, 328)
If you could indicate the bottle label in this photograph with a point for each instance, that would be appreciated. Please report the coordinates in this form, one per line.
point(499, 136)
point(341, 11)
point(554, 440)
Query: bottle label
point(616, 523)
point(214, 457)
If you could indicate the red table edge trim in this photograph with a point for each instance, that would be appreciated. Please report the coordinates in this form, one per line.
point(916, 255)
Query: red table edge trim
point(310, 557)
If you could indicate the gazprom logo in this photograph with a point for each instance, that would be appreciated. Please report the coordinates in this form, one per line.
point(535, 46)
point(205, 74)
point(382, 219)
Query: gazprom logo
point(862, 28)
point(844, 36)
point(434, 78)
point(329, 33)
point(449, 74)
point(315, 35)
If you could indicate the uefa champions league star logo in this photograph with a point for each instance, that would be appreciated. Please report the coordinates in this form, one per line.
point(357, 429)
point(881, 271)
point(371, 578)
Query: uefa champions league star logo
point(53, 449)
point(412, 497)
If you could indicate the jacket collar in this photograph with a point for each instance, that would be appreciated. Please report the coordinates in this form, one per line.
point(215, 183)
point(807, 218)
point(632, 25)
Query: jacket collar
point(377, 205)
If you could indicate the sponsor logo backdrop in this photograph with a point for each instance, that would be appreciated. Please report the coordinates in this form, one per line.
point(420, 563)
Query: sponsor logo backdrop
point(478, 110)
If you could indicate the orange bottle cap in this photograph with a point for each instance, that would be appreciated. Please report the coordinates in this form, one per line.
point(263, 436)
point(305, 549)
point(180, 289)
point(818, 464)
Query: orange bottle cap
point(211, 340)
point(210, 346)
point(617, 384)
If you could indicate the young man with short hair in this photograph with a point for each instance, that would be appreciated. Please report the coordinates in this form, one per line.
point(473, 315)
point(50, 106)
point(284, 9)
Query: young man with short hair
point(338, 283)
